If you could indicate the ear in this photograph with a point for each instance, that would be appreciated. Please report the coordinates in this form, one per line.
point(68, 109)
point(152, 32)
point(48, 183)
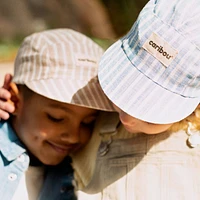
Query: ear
point(15, 96)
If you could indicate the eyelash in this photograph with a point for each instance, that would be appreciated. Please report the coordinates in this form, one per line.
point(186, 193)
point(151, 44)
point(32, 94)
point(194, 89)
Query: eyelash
point(54, 119)
point(88, 124)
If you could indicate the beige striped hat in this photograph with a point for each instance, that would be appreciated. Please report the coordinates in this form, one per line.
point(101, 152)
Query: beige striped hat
point(61, 64)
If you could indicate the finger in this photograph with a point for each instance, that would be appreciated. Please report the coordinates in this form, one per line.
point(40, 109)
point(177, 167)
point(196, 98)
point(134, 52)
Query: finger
point(6, 106)
point(4, 115)
point(4, 94)
point(7, 81)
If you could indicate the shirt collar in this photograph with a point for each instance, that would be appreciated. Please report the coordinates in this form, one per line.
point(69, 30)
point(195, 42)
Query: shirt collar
point(10, 145)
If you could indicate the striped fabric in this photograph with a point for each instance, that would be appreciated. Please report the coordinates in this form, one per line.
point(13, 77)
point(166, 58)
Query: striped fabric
point(153, 72)
point(61, 64)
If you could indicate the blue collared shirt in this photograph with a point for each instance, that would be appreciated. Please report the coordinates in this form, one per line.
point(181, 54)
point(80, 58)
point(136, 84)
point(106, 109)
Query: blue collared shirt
point(14, 161)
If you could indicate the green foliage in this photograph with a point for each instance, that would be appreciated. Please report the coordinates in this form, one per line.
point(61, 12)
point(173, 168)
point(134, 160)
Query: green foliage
point(103, 43)
point(8, 50)
point(123, 13)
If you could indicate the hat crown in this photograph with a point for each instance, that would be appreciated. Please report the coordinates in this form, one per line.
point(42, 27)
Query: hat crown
point(177, 31)
point(61, 64)
point(57, 53)
point(183, 15)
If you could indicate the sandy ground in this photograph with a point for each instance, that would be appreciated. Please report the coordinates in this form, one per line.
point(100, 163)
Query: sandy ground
point(5, 68)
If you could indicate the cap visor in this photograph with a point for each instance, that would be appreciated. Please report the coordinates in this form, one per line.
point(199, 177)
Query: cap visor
point(86, 94)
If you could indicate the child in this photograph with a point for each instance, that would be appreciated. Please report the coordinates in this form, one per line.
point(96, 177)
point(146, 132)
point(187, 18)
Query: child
point(154, 94)
point(152, 76)
point(56, 98)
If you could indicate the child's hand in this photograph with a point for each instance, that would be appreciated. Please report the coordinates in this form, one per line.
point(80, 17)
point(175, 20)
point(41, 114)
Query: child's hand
point(6, 105)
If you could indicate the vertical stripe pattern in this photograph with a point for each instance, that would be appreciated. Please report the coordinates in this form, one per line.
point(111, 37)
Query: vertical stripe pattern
point(61, 64)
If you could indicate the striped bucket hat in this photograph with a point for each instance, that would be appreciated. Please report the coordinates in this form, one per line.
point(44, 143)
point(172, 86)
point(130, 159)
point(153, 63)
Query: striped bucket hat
point(153, 72)
point(61, 64)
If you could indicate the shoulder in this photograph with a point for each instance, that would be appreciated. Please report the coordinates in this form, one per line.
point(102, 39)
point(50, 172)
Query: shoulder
point(6, 132)
point(11, 147)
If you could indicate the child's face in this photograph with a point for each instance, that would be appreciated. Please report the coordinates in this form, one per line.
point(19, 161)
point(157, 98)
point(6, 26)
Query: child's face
point(134, 125)
point(50, 129)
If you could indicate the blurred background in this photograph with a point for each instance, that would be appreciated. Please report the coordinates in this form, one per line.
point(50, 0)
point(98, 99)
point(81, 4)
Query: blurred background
point(102, 20)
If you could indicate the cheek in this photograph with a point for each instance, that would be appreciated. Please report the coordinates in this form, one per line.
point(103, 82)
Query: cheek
point(163, 128)
point(127, 119)
point(33, 127)
point(33, 136)
point(155, 129)
point(36, 130)
point(124, 117)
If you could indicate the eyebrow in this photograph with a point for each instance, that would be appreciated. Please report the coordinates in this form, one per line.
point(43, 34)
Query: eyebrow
point(61, 107)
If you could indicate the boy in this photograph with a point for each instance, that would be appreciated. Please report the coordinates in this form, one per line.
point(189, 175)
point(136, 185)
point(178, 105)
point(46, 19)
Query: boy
point(158, 103)
point(54, 92)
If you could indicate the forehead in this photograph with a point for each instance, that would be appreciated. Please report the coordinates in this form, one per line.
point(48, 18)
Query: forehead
point(44, 102)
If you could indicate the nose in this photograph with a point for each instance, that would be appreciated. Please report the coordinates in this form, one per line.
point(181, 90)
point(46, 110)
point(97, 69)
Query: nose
point(124, 117)
point(72, 135)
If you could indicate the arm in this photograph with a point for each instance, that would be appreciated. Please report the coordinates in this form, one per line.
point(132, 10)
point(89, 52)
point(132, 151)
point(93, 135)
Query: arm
point(6, 105)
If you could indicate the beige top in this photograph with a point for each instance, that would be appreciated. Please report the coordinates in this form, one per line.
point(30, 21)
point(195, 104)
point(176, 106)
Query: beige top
point(153, 167)
point(84, 161)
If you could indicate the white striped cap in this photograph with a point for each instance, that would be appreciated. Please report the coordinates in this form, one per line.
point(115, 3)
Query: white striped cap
point(61, 64)
point(153, 72)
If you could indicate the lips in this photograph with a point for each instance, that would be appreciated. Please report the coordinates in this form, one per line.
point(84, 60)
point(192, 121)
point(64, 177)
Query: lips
point(63, 148)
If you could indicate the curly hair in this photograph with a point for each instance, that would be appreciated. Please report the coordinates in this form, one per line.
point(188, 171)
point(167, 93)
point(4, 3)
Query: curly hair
point(193, 120)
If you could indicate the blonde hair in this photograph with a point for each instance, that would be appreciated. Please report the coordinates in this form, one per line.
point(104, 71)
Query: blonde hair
point(193, 120)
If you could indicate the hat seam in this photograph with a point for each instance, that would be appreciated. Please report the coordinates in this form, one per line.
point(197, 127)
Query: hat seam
point(177, 30)
point(155, 81)
point(141, 47)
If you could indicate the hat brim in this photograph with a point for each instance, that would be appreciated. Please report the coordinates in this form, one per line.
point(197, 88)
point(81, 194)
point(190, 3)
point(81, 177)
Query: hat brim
point(81, 93)
point(138, 95)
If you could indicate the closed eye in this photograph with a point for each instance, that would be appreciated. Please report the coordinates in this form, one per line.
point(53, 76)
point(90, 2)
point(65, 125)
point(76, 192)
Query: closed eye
point(54, 119)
